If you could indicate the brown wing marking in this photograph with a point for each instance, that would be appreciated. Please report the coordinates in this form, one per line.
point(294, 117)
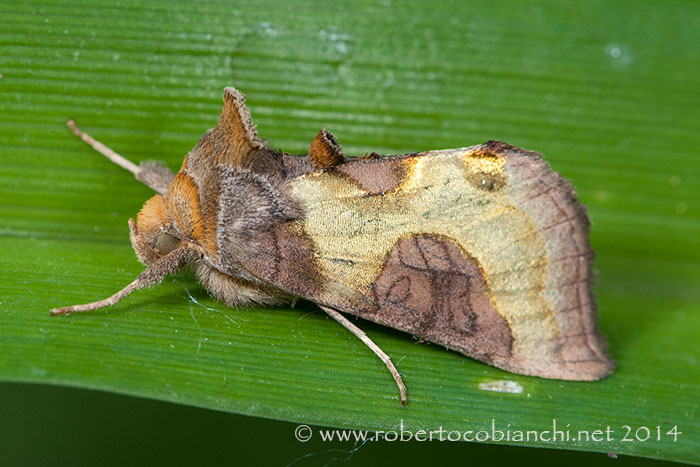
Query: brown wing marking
point(376, 176)
point(284, 257)
point(431, 288)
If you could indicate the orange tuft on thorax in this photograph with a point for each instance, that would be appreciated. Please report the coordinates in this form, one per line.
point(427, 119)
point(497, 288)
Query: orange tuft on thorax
point(152, 216)
point(185, 212)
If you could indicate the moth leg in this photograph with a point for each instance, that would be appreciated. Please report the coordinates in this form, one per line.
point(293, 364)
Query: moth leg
point(152, 275)
point(375, 348)
point(152, 174)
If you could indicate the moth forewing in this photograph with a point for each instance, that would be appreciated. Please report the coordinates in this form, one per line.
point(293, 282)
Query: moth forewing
point(481, 249)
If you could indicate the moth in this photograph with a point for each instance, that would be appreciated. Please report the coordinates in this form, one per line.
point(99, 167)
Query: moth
point(483, 250)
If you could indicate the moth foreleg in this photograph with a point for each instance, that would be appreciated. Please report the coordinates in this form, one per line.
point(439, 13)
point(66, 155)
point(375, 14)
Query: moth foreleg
point(155, 273)
point(152, 174)
point(375, 348)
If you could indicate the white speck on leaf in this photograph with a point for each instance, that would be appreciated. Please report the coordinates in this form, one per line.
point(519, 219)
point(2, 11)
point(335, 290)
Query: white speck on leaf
point(510, 387)
point(620, 55)
point(269, 29)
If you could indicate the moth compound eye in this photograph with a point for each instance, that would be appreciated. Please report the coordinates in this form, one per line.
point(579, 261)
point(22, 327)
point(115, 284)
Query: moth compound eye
point(166, 243)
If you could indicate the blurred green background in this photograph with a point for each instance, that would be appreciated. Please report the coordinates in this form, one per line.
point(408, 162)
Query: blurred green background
point(607, 91)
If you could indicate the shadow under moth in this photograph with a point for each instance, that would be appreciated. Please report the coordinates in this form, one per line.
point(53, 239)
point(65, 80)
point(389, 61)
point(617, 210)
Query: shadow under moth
point(483, 250)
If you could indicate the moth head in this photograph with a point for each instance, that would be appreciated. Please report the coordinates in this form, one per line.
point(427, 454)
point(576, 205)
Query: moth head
point(233, 143)
point(168, 232)
point(152, 236)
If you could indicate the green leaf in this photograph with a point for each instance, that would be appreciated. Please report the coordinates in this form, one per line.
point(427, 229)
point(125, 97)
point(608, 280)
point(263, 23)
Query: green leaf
point(607, 91)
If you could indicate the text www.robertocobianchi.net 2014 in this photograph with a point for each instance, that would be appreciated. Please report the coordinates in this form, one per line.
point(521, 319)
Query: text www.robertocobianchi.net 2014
point(560, 433)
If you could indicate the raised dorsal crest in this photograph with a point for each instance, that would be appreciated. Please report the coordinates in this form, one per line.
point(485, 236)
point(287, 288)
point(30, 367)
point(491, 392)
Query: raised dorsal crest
point(325, 151)
point(235, 131)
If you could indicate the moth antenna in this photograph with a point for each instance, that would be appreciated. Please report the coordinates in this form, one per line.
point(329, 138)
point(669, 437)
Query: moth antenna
point(152, 275)
point(374, 347)
point(154, 175)
point(104, 150)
